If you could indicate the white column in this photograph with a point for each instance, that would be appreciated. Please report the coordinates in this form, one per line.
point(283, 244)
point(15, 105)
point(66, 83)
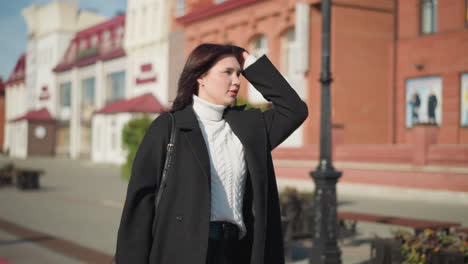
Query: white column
point(302, 37)
point(75, 115)
point(101, 89)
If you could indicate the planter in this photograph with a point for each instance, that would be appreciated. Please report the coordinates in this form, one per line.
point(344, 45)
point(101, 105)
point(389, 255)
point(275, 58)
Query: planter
point(27, 179)
point(388, 251)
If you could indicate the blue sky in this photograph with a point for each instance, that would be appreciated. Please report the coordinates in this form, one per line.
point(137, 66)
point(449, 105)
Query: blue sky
point(13, 27)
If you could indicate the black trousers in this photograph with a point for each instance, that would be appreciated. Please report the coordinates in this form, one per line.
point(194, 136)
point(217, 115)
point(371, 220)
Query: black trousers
point(221, 251)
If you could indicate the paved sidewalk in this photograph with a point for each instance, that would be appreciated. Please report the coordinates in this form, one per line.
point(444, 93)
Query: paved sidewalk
point(16, 250)
point(82, 202)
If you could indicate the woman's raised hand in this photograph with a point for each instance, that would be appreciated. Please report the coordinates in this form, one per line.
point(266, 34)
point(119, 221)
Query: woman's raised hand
point(245, 55)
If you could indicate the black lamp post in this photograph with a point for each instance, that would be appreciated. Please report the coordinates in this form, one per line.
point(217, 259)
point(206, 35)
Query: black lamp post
point(325, 175)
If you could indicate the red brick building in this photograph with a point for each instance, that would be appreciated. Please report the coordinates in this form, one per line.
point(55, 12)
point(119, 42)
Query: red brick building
point(432, 42)
point(362, 33)
point(400, 89)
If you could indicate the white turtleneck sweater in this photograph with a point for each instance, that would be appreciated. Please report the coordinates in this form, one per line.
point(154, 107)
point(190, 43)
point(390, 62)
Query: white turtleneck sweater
point(227, 164)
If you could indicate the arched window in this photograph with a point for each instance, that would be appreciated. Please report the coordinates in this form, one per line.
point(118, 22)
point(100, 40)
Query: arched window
point(258, 47)
point(428, 16)
point(288, 67)
point(288, 42)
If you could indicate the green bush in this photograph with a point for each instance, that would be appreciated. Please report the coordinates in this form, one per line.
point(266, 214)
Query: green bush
point(132, 135)
point(242, 101)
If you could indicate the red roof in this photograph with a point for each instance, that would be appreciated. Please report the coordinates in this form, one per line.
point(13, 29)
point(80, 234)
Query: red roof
point(35, 115)
point(145, 103)
point(100, 42)
point(19, 71)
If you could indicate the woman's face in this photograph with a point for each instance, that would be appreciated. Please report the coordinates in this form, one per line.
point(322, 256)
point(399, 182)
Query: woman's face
point(221, 83)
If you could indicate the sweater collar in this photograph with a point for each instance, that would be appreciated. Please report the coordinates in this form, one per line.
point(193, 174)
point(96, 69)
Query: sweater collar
point(206, 110)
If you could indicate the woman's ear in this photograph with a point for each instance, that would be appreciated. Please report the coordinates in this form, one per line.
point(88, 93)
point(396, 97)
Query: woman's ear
point(200, 82)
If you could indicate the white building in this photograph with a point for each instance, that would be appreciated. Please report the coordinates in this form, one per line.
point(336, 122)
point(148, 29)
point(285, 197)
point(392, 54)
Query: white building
point(15, 136)
point(147, 89)
point(108, 124)
point(86, 73)
point(50, 28)
point(90, 75)
point(147, 46)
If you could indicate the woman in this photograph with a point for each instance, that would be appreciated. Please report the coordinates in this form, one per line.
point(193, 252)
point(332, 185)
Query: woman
point(220, 204)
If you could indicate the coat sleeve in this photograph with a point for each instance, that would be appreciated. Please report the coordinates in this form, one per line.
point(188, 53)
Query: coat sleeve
point(134, 239)
point(288, 111)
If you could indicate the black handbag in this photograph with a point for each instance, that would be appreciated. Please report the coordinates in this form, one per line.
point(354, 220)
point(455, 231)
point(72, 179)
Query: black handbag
point(167, 165)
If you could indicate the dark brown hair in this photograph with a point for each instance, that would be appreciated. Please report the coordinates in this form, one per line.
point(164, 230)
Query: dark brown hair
point(199, 62)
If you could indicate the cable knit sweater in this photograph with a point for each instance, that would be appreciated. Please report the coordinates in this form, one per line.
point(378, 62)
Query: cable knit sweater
point(228, 169)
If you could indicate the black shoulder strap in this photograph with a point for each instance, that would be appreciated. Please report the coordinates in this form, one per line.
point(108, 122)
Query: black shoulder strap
point(167, 165)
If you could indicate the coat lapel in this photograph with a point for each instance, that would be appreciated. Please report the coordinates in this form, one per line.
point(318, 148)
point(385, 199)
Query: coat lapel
point(247, 125)
point(187, 123)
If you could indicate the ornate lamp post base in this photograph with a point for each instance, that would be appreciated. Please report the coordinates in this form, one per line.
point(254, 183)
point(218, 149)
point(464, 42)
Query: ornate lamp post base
point(325, 217)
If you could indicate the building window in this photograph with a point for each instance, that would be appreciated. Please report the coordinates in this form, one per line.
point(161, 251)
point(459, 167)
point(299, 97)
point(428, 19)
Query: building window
point(94, 40)
point(65, 94)
point(83, 44)
point(288, 52)
point(429, 16)
point(106, 40)
point(180, 8)
point(87, 100)
point(466, 12)
point(259, 47)
point(219, 1)
point(116, 86)
point(88, 94)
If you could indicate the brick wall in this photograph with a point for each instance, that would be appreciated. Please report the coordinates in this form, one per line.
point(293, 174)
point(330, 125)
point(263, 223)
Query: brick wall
point(444, 54)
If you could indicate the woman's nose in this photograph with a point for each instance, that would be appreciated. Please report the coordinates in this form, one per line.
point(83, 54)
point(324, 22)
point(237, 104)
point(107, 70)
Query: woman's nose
point(236, 80)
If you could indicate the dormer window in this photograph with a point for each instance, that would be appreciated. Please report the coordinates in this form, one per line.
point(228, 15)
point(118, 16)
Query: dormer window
point(94, 41)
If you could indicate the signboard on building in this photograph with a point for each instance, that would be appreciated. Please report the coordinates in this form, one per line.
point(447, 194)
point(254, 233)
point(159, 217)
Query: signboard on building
point(146, 74)
point(423, 101)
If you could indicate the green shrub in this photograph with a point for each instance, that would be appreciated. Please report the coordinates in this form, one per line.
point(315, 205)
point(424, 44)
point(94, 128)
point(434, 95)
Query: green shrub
point(242, 101)
point(132, 135)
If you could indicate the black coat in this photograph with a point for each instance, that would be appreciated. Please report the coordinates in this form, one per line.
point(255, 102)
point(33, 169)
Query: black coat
point(181, 223)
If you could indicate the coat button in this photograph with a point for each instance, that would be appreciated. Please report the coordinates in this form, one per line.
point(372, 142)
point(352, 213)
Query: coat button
point(179, 218)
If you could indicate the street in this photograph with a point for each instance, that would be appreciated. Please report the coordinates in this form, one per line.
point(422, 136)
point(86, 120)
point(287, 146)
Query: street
point(81, 202)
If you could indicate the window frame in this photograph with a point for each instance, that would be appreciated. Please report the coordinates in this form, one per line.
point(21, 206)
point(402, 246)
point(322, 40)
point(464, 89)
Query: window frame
point(466, 13)
point(433, 17)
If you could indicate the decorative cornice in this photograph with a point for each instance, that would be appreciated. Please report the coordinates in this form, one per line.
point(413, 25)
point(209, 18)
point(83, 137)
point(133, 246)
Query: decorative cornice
point(213, 10)
point(88, 61)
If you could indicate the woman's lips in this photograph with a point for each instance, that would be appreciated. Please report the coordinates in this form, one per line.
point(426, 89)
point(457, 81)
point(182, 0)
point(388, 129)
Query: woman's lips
point(233, 92)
